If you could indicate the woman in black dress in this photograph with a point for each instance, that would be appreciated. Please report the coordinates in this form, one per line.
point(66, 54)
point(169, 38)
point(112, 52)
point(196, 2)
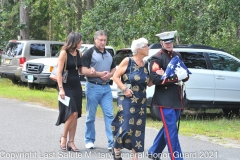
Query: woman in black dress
point(128, 126)
point(72, 88)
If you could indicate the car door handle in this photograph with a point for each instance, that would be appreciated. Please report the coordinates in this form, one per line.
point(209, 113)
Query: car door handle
point(220, 78)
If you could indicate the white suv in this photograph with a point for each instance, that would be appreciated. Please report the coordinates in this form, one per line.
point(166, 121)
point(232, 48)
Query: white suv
point(214, 82)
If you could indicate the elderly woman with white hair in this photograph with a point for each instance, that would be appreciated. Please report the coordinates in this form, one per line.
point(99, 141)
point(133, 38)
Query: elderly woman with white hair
point(128, 126)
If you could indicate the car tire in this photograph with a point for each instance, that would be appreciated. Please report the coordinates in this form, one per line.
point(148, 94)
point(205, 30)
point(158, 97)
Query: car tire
point(14, 81)
point(235, 111)
point(39, 87)
point(155, 113)
point(30, 85)
point(230, 112)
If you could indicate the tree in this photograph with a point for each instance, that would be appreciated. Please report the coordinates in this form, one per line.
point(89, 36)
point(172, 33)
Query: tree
point(209, 22)
point(9, 21)
point(24, 20)
point(90, 4)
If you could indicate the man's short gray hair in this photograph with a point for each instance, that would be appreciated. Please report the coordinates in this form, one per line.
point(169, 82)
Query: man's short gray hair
point(138, 43)
point(100, 33)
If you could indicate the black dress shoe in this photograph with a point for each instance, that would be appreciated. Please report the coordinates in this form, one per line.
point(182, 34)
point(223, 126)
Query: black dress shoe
point(113, 153)
point(153, 157)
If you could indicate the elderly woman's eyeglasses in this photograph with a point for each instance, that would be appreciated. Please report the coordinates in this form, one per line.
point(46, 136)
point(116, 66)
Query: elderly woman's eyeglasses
point(145, 47)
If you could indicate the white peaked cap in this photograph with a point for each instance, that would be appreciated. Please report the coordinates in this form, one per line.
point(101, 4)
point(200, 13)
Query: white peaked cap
point(167, 37)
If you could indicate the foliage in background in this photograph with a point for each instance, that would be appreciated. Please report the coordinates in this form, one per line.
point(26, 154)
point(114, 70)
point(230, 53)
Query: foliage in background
point(49, 19)
point(209, 22)
point(9, 22)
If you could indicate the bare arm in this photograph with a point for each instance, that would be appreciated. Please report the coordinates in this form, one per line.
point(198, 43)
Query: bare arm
point(90, 72)
point(119, 72)
point(61, 61)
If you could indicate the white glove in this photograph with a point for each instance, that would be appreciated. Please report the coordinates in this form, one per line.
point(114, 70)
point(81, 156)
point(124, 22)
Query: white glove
point(181, 73)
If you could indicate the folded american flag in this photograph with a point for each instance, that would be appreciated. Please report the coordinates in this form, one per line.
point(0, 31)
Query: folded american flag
point(174, 65)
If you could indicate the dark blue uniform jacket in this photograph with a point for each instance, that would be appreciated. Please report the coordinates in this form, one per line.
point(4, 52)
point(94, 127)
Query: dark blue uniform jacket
point(168, 93)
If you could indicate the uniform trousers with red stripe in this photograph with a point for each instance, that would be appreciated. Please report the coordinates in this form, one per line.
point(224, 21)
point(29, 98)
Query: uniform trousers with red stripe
point(168, 135)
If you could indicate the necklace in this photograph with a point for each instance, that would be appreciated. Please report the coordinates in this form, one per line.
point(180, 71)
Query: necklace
point(75, 61)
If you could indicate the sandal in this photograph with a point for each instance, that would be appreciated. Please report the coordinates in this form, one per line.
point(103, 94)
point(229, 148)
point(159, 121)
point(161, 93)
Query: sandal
point(69, 148)
point(63, 148)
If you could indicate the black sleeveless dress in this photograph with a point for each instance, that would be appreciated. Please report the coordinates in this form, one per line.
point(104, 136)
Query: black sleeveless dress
point(128, 126)
point(72, 89)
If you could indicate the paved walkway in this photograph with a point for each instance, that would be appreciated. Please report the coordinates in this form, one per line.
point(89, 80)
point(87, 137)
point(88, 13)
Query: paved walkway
point(28, 131)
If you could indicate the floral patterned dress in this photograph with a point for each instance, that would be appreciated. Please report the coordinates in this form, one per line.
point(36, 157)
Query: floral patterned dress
point(128, 126)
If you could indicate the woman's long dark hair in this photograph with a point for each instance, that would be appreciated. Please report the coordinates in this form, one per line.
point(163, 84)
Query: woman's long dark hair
point(72, 41)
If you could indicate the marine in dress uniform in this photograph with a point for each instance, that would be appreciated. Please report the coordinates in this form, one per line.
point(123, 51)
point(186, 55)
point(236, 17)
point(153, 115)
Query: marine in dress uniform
point(168, 98)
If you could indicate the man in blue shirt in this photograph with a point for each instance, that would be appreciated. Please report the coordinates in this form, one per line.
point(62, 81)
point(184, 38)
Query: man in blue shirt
point(98, 89)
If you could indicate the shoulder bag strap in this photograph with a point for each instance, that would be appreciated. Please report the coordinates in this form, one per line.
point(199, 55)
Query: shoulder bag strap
point(65, 65)
point(130, 59)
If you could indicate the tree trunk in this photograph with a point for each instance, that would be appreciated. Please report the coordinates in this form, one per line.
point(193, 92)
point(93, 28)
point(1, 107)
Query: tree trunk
point(50, 20)
point(67, 22)
point(238, 32)
point(24, 20)
point(2, 2)
point(90, 4)
point(79, 14)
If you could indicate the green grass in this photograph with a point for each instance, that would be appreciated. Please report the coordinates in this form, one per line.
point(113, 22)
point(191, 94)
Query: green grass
point(214, 128)
point(220, 128)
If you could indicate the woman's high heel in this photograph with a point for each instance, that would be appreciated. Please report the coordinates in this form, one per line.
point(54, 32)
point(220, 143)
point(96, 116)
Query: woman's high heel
point(63, 148)
point(69, 148)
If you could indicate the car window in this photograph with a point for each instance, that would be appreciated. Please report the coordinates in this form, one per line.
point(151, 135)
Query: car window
point(155, 46)
point(110, 51)
point(37, 49)
point(55, 48)
point(83, 49)
point(194, 60)
point(224, 62)
point(13, 49)
point(121, 54)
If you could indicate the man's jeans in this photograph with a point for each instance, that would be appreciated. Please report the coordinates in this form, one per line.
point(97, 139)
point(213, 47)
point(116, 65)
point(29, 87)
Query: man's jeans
point(102, 95)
